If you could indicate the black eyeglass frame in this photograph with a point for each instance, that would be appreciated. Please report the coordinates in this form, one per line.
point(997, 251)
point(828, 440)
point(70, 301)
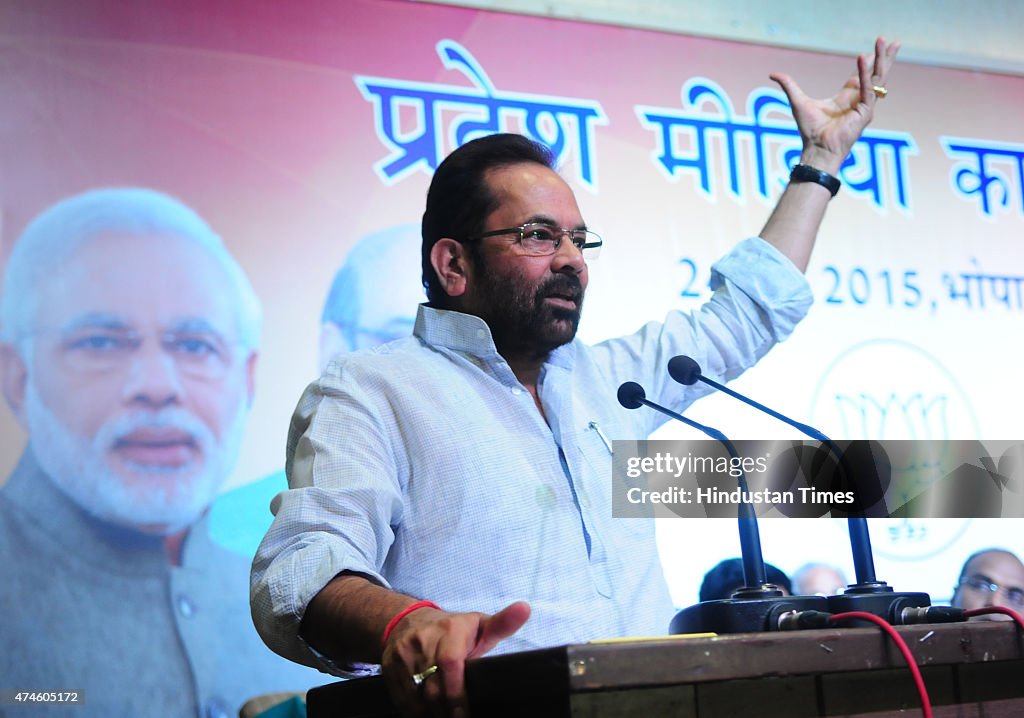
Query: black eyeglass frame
point(980, 582)
point(589, 243)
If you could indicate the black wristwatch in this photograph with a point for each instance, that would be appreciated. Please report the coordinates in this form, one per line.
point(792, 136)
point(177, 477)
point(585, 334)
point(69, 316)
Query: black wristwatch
point(806, 173)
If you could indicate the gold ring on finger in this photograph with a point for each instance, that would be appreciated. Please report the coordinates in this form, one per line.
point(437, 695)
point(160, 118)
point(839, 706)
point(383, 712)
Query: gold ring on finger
point(418, 678)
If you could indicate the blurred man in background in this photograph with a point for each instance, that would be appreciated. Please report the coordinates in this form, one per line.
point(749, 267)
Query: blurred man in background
point(371, 301)
point(374, 295)
point(130, 342)
point(726, 578)
point(818, 579)
point(993, 577)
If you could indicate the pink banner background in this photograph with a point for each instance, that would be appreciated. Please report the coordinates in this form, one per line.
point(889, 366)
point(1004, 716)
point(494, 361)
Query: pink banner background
point(250, 115)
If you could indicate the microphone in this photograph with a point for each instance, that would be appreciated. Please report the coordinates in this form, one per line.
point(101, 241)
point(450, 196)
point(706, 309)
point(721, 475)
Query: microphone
point(686, 371)
point(758, 605)
point(632, 396)
point(878, 596)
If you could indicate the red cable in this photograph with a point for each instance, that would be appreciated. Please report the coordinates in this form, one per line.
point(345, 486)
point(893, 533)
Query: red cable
point(1018, 619)
point(926, 704)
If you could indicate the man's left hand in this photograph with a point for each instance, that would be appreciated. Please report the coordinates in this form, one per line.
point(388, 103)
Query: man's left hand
point(830, 127)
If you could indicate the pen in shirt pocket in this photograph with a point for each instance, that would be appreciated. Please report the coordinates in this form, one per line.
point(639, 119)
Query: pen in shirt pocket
point(604, 439)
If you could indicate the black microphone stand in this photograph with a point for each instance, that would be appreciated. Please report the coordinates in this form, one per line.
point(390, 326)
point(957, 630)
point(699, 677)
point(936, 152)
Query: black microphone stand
point(868, 594)
point(757, 605)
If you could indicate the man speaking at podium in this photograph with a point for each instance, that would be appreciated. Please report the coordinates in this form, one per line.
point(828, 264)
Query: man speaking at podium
point(447, 487)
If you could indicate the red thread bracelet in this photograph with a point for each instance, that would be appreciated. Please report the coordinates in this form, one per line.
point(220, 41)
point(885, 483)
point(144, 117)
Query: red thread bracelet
point(402, 614)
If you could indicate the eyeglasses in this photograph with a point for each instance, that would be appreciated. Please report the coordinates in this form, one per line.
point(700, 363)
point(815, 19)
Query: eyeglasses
point(540, 240)
point(981, 584)
point(201, 354)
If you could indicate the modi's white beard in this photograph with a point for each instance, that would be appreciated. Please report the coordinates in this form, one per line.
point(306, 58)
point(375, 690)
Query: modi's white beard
point(162, 503)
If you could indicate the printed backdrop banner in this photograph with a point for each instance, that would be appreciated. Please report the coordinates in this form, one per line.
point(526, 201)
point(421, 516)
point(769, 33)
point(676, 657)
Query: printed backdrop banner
point(297, 129)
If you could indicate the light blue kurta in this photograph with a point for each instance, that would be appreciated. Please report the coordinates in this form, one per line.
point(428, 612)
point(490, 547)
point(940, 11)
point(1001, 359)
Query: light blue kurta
point(426, 465)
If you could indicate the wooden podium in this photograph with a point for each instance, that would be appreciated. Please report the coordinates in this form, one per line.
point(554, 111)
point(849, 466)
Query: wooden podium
point(971, 670)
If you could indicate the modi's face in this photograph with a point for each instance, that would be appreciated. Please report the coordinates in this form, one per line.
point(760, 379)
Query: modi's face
point(137, 386)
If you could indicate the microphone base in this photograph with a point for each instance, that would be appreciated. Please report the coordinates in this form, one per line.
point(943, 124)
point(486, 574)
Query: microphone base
point(884, 604)
point(742, 615)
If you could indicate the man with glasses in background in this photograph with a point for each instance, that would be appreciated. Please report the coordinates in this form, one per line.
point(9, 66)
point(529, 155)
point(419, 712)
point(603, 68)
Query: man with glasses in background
point(447, 487)
point(993, 577)
point(130, 340)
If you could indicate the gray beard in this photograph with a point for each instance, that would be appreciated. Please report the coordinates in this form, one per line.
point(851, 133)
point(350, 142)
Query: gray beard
point(151, 499)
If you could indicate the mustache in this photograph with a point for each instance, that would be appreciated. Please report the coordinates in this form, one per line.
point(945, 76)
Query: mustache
point(566, 285)
point(116, 430)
